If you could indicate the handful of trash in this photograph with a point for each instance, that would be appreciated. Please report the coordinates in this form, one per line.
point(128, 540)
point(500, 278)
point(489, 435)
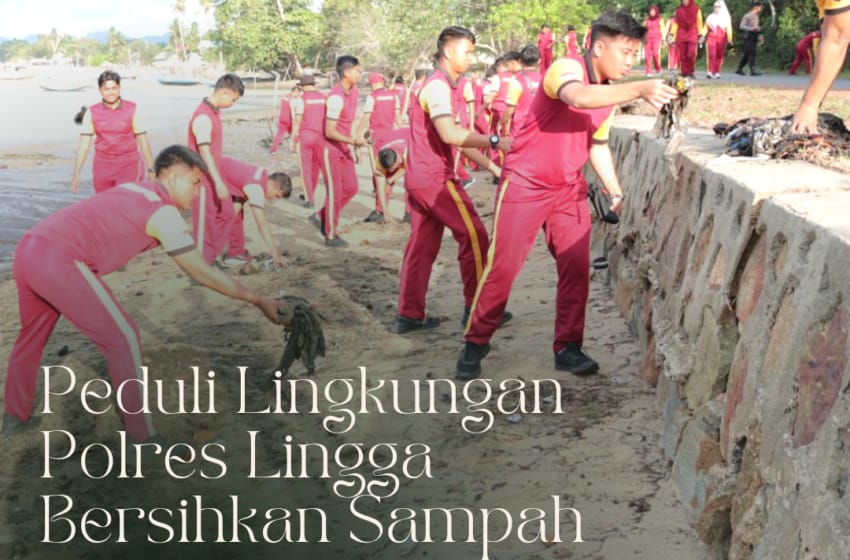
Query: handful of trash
point(670, 115)
point(756, 136)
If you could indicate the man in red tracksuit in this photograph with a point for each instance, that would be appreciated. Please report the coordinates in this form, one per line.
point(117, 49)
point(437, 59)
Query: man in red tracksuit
point(521, 91)
point(435, 199)
point(379, 117)
point(544, 45)
point(212, 212)
point(59, 265)
point(804, 51)
point(308, 132)
point(340, 110)
point(542, 186)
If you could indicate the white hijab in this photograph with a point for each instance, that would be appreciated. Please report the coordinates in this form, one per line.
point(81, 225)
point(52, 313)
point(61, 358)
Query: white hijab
point(720, 18)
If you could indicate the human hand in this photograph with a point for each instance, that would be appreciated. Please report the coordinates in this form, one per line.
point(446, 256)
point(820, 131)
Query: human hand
point(505, 144)
point(616, 203)
point(805, 120)
point(269, 308)
point(657, 93)
point(75, 184)
point(221, 190)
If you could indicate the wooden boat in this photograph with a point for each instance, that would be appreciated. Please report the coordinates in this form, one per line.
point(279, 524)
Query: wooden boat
point(179, 81)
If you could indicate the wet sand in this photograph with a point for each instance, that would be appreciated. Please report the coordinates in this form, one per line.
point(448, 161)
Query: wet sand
point(601, 455)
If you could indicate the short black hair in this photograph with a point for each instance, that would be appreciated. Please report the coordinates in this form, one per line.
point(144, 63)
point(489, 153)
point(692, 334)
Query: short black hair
point(108, 76)
point(232, 82)
point(614, 24)
point(529, 55)
point(284, 181)
point(345, 62)
point(420, 73)
point(511, 55)
point(177, 154)
point(571, 28)
point(387, 157)
point(399, 80)
point(545, 26)
point(452, 33)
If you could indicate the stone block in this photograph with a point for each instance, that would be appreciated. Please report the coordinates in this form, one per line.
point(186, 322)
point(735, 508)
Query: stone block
point(699, 451)
point(821, 375)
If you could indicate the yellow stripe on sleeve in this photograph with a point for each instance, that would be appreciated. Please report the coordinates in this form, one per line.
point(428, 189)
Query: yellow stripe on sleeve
point(562, 71)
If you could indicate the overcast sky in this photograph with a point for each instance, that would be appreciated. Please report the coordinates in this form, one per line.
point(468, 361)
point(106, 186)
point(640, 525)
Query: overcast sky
point(19, 18)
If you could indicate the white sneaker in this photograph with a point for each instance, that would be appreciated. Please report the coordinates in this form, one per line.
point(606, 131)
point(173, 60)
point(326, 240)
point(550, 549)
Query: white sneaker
point(238, 260)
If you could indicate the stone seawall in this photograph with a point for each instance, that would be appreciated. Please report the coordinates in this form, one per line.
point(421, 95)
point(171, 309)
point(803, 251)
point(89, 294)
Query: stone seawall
point(732, 273)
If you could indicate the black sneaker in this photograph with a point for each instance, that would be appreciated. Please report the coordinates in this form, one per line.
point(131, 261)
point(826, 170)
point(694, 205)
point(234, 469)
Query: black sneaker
point(374, 217)
point(405, 324)
point(754, 73)
point(506, 316)
point(571, 358)
point(336, 242)
point(318, 222)
point(12, 425)
point(739, 72)
point(469, 361)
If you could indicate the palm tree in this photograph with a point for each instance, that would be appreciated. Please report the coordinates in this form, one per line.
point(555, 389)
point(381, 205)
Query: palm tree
point(180, 8)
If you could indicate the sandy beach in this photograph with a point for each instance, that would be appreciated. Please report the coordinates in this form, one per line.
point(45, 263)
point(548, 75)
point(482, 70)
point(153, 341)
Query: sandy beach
point(595, 445)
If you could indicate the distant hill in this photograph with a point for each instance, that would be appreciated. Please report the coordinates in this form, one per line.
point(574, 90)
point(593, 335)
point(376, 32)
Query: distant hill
point(154, 39)
point(101, 37)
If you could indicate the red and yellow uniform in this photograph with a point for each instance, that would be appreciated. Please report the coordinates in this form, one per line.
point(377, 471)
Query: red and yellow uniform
point(311, 139)
point(341, 175)
point(436, 202)
point(58, 268)
point(396, 141)
point(212, 218)
point(116, 152)
point(381, 106)
point(805, 45)
point(832, 7)
point(542, 186)
point(521, 91)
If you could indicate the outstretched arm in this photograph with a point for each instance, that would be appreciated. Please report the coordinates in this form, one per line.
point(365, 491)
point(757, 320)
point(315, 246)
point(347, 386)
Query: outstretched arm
point(193, 264)
point(834, 41)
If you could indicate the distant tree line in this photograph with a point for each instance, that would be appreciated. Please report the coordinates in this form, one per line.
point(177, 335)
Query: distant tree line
point(393, 35)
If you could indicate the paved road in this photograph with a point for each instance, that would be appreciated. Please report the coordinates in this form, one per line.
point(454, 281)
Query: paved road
point(777, 81)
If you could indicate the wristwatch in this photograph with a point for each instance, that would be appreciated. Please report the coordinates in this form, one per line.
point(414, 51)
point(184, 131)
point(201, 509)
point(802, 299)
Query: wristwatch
point(494, 140)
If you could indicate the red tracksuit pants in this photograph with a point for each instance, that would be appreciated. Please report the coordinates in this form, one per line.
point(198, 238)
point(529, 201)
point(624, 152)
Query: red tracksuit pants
point(432, 209)
point(802, 57)
point(545, 60)
point(236, 241)
point(716, 44)
point(687, 56)
point(652, 55)
point(213, 221)
point(311, 153)
point(106, 173)
point(520, 213)
point(379, 138)
point(52, 283)
point(672, 56)
point(341, 188)
point(284, 127)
